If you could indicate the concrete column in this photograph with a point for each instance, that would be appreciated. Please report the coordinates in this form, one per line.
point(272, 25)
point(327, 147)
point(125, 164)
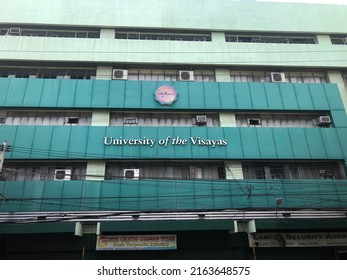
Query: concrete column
point(107, 34)
point(100, 118)
point(104, 72)
point(222, 75)
point(218, 37)
point(336, 77)
point(324, 40)
point(233, 170)
point(96, 170)
point(227, 119)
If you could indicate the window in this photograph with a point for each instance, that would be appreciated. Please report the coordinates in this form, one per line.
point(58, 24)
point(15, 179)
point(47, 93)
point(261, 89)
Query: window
point(270, 39)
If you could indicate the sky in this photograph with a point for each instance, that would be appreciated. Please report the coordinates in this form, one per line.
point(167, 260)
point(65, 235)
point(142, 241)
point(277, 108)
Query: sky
point(339, 2)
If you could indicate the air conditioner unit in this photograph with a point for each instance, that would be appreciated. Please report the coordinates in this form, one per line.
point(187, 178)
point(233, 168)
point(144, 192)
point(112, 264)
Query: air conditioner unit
point(119, 74)
point(323, 121)
point(201, 119)
point(278, 77)
point(14, 31)
point(131, 173)
point(253, 121)
point(72, 120)
point(62, 174)
point(187, 76)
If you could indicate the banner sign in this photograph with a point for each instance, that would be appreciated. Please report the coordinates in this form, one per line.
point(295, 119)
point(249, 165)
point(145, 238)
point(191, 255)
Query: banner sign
point(136, 242)
point(307, 239)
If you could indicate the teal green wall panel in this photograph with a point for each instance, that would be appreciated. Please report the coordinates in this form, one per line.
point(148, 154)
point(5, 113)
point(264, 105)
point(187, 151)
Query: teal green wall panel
point(304, 97)
point(258, 96)
point(243, 96)
point(67, 93)
point(50, 93)
point(283, 143)
point(117, 94)
point(289, 97)
point(83, 142)
point(266, 143)
point(84, 93)
point(273, 94)
point(33, 92)
point(227, 96)
point(250, 144)
point(333, 96)
point(319, 97)
point(212, 95)
point(100, 94)
point(315, 143)
point(339, 118)
point(139, 195)
point(299, 143)
point(42, 141)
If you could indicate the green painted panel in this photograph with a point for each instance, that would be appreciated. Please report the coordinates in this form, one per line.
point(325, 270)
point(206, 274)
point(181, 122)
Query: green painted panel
point(90, 196)
point(78, 142)
point(299, 143)
point(8, 133)
point(60, 142)
point(196, 95)
point(342, 134)
point(212, 96)
point(16, 92)
point(182, 195)
point(274, 98)
point(333, 96)
point(148, 193)
point(147, 94)
point(130, 195)
point(227, 96)
point(266, 143)
point(66, 97)
point(110, 195)
point(112, 151)
point(243, 96)
point(95, 147)
point(183, 99)
point(288, 97)
point(250, 144)
point(198, 134)
point(131, 151)
point(14, 192)
point(216, 151)
point(203, 195)
point(332, 143)
point(4, 86)
point(234, 148)
point(33, 92)
point(283, 143)
point(33, 190)
point(319, 97)
point(42, 142)
point(72, 193)
point(222, 196)
point(339, 118)
point(133, 94)
point(180, 137)
point(116, 97)
point(100, 94)
point(147, 151)
point(50, 93)
point(258, 96)
point(303, 96)
point(84, 93)
point(22, 144)
point(53, 199)
point(315, 143)
point(163, 150)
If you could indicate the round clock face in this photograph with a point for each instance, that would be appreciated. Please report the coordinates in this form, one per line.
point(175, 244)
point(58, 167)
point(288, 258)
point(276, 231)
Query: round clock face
point(165, 95)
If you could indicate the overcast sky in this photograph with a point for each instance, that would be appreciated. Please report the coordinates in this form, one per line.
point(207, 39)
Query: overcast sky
point(340, 2)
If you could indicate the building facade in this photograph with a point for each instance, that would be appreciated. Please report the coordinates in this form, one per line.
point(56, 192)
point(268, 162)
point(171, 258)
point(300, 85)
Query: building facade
point(191, 131)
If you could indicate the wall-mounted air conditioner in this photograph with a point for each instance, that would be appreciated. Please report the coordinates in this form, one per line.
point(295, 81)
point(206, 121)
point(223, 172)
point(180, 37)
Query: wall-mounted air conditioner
point(187, 76)
point(131, 174)
point(201, 119)
point(253, 122)
point(62, 174)
point(119, 74)
point(72, 120)
point(14, 31)
point(323, 121)
point(278, 77)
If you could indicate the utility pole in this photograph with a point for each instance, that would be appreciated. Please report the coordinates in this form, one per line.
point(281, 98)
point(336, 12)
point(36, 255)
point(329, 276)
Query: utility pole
point(3, 149)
